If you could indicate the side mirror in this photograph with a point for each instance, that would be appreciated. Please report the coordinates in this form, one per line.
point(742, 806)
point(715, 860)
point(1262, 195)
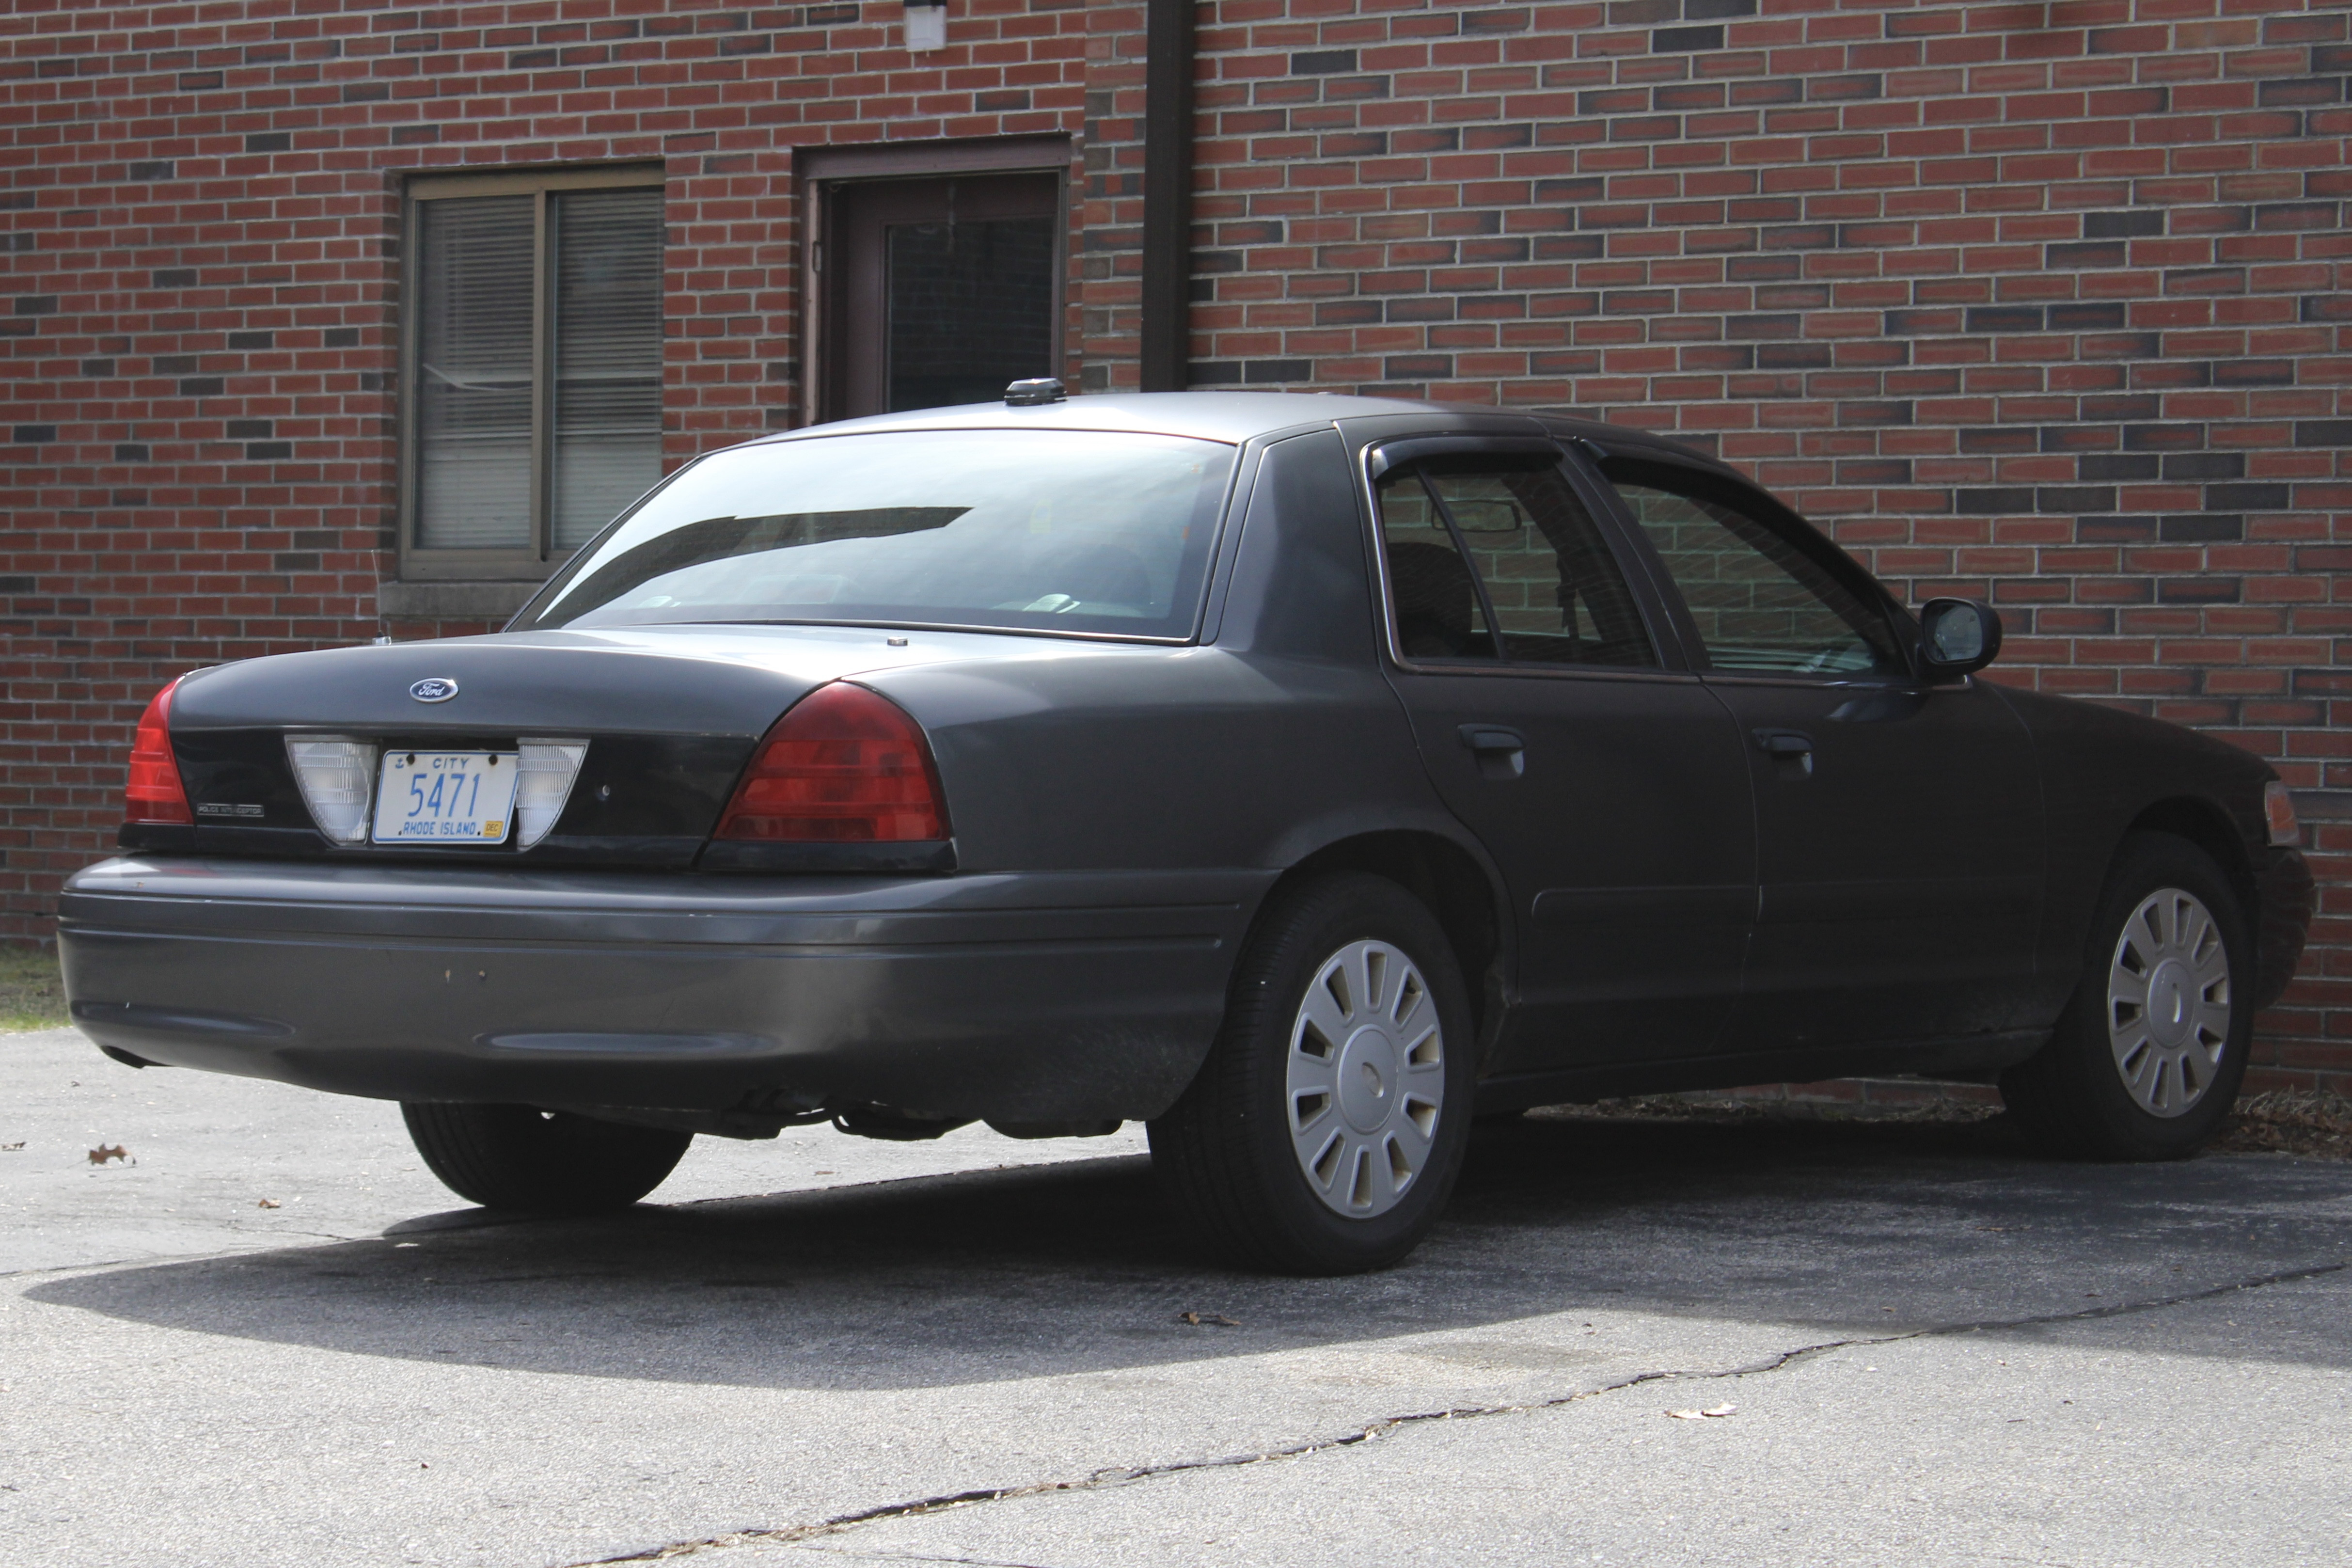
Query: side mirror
point(1957, 637)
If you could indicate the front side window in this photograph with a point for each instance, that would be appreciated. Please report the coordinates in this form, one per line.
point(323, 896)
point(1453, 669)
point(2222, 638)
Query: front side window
point(1761, 605)
point(1491, 556)
point(1056, 531)
point(533, 373)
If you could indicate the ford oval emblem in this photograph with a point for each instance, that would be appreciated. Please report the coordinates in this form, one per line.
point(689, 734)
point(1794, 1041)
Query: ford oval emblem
point(433, 688)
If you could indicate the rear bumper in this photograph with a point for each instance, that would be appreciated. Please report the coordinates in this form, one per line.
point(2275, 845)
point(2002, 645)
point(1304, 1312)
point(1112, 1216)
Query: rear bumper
point(1037, 997)
point(2289, 900)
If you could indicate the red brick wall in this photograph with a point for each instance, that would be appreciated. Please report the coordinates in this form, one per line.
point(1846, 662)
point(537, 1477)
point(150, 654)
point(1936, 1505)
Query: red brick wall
point(2042, 301)
point(202, 208)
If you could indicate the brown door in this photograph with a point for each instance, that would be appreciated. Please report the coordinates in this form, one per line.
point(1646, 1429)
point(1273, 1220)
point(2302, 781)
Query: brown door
point(940, 290)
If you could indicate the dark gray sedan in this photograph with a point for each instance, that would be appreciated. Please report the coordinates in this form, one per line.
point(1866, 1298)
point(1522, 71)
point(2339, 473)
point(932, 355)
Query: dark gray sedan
point(1301, 776)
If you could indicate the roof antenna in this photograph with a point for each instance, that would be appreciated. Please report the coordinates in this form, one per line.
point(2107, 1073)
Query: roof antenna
point(1038, 389)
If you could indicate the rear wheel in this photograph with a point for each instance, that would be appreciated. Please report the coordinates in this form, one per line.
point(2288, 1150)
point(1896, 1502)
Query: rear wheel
point(1324, 1133)
point(2148, 1057)
point(542, 1162)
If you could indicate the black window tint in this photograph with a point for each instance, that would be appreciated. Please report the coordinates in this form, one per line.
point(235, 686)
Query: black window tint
point(1555, 591)
point(971, 307)
point(1761, 604)
point(1438, 612)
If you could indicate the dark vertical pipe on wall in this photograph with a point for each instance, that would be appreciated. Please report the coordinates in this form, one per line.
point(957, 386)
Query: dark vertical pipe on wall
point(1166, 348)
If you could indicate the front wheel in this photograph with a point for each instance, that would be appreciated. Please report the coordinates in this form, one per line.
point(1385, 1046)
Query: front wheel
point(542, 1162)
point(1324, 1133)
point(2148, 1057)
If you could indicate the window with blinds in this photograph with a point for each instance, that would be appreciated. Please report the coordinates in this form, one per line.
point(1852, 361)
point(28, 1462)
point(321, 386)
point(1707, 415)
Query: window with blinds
point(533, 376)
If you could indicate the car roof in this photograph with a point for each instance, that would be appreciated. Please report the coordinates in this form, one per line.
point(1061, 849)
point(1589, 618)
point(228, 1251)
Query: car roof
point(1237, 416)
point(1213, 416)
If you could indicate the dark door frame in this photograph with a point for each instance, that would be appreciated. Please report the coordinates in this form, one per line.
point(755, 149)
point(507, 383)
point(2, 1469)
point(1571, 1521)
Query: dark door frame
point(822, 172)
point(860, 312)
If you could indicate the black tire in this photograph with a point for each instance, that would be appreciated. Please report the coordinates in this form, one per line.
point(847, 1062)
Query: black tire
point(2071, 1098)
point(1222, 1154)
point(542, 1162)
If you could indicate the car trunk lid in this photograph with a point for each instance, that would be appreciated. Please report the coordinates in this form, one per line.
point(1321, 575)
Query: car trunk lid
point(671, 716)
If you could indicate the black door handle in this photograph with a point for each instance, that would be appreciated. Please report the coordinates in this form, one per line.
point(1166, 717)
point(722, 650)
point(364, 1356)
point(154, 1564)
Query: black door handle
point(1502, 752)
point(1791, 751)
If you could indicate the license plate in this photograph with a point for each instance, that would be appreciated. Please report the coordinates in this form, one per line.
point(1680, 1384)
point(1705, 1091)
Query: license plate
point(446, 797)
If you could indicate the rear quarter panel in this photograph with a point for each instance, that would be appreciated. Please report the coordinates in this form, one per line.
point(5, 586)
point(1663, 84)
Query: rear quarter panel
point(1274, 740)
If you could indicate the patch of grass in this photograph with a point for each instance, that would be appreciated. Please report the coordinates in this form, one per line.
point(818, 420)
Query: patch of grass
point(32, 992)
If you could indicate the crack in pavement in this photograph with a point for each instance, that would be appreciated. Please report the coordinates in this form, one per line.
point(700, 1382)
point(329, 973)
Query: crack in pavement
point(1127, 1474)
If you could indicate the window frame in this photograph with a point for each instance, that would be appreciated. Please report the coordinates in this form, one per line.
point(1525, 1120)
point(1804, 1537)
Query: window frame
point(536, 562)
point(1760, 507)
point(1665, 632)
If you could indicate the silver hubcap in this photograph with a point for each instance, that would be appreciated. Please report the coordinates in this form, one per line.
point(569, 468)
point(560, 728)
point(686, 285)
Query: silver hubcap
point(1367, 1078)
point(2169, 1002)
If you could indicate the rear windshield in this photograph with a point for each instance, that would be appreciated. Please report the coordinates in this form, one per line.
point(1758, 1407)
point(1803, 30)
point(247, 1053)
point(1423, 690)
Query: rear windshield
point(1060, 531)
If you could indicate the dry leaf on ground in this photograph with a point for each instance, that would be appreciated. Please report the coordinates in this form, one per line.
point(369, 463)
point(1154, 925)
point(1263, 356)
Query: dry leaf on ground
point(268, 1203)
point(1207, 1320)
point(103, 1152)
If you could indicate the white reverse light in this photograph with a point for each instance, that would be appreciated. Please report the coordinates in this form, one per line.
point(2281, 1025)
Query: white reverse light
point(336, 775)
point(2278, 816)
point(544, 785)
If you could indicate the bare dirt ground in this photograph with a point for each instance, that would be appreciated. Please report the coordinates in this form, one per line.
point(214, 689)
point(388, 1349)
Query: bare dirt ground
point(2309, 1122)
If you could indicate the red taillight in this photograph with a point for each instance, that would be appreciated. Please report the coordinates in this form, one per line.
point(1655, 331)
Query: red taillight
point(843, 766)
point(154, 792)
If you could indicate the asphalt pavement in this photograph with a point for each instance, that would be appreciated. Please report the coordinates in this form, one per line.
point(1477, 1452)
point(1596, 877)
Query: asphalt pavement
point(1630, 1343)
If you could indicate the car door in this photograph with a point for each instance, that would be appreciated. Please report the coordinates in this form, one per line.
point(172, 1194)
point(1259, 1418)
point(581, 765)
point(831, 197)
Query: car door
point(1549, 703)
point(1898, 823)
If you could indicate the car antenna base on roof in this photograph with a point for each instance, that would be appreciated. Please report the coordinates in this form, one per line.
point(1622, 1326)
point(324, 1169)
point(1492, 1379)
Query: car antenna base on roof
point(1040, 389)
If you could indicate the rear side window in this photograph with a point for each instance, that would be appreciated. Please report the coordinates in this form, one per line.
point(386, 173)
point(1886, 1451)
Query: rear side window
point(1440, 614)
point(1762, 605)
point(1067, 531)
point(1492, 558)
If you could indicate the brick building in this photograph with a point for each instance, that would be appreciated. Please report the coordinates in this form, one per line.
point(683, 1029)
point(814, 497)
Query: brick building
point(333, 320)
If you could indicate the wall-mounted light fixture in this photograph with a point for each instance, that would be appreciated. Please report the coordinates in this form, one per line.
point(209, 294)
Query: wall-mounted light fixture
point(927, 25)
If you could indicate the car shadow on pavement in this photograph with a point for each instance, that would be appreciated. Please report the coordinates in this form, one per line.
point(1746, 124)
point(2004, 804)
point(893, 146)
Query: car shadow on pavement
point(1837, 1230)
